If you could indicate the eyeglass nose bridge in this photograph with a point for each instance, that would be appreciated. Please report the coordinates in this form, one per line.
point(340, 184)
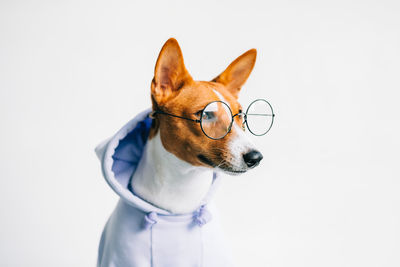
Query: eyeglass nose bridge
point(240, 113)
point(244, 123)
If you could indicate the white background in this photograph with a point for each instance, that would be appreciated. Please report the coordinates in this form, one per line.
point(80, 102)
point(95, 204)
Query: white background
point(326, 194)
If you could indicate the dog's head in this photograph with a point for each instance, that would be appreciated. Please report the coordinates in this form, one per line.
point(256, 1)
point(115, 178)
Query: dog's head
point(175, 92)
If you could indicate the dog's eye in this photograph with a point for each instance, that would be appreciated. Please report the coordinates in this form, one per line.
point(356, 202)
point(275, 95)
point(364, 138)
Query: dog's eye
point(208, 115)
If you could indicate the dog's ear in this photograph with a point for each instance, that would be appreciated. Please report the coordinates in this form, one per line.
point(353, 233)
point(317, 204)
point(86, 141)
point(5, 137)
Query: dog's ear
point(170, 73)
point(236, 74)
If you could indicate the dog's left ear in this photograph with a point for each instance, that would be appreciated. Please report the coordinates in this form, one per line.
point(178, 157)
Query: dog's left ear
point(237, 72)
point(170, 73)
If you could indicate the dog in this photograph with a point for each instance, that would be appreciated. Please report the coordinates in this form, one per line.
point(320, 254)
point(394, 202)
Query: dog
point(165, 164)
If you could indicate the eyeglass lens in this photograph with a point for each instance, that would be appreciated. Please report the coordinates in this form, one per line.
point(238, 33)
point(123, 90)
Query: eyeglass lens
point(259, 117)
point(216, 120)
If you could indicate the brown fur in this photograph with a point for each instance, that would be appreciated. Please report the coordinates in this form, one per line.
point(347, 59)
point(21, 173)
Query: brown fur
point(174, 91)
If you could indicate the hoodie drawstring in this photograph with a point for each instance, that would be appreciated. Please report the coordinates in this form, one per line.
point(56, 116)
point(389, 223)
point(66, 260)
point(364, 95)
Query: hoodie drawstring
point(200, 218)
point(149, 220)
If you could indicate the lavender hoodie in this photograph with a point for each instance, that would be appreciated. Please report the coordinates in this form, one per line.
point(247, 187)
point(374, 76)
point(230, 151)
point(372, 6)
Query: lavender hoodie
point(139, 234)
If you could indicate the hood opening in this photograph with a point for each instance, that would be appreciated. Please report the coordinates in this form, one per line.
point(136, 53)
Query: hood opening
point(129, 151)
point(120, 156)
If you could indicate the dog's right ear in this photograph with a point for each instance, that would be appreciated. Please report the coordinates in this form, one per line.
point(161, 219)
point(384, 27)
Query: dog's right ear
point(170, 73)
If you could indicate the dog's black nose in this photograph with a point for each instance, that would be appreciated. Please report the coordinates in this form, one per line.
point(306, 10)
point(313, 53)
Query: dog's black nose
point(252, 158)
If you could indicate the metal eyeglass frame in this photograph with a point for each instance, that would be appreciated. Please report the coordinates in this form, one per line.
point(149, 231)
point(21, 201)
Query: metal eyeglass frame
point(152, 115)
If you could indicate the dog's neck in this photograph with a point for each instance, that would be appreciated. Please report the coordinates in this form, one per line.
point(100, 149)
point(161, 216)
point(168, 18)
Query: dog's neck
point(169, 182)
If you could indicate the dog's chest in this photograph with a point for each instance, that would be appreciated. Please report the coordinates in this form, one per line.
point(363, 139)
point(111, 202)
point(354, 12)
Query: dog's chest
point(169, 182)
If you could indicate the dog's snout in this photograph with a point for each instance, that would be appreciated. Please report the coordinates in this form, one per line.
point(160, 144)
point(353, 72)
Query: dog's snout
point(252, 158)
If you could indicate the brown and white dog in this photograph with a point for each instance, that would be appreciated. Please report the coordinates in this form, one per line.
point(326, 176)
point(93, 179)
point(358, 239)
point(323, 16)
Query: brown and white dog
point(179, 159)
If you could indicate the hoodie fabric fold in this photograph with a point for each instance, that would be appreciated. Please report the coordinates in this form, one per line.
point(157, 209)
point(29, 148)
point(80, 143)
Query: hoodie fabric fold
point(139, 234)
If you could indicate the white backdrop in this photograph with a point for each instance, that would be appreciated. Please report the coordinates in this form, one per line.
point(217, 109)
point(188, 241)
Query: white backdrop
point(326, 194)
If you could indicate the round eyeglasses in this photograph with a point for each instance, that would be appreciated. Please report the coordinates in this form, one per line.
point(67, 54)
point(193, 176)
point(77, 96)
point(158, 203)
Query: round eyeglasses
point(216, 118)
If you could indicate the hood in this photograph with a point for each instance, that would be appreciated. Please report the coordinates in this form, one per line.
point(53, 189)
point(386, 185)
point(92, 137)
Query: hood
point(120, 156)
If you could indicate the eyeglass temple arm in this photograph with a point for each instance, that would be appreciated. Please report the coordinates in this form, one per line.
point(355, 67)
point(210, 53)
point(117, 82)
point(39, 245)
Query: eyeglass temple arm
point(273, 115)
point(245, 115)
point(152, 115)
